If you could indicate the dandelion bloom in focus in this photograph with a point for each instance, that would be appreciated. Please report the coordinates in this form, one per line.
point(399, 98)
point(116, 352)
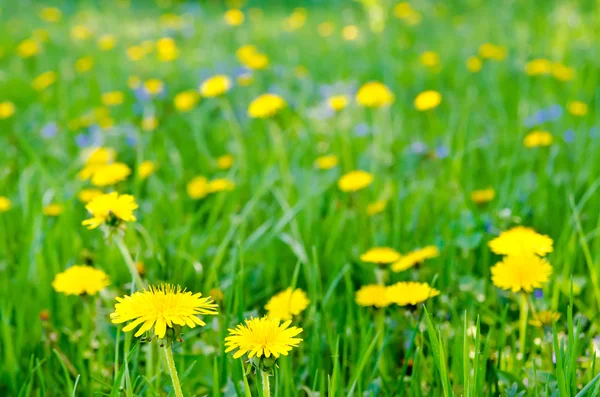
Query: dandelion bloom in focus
point(374, 94)
point(220, 185)
point(380, 255)
point(234, 17)
point(197, 188)
point(7, 109)
point(427, 100)
point(79, 280)
point(337, 102)
point(185, 101)
point(215, 86)
point(53, 209)
point(287, 304)
point(145, 169)
point(483, 196)
point(262, 337)
point(44, 80)
point(87, 195)
point(110, 209)
point(521, 273)
point(577, 108)
point(113, 98)
point(474, 64)
point(225, 162)
point(538, 139)
point(415, 257)
point(5, 204)
point(411, 293)
point(110, 174)
point(51, 14)
point(266, 105)
point(521, 240)
point(544, 318)
point(163, 307)
point(327, 162)
point(372, 295)
point(376, 207)
point(354, 181)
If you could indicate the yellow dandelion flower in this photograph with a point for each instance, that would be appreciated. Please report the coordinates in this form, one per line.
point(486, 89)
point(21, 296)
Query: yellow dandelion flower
point(234, 17)
point(538, 139)
point(427, 100)
point(111, 209)
point(113, 98)
point(521, 273)
point(562, 72)
point(79, 280)
point(80, 32)
point(250, 57)
point(197, 188)
point(374, 95)
point(28, 48)
point(415, 257)
point(149, 123)
point(225, 162)
point(163, 307)
point(87, 195)
point(337, 102)
point(404, 11)
point(483, 196)
point(354, 181)
point(430, 59)
point(83, 65)
point(327, 162)
point(474, 64)
point(492, 51)
point(153, 86)
point(7, 109)
point(215, 86)
point(521, 241)
point(51, 14)
point(411, 293)
point(265, 106)
point(145, 169)
point(372, 295)
point(220, 185)
point(262, 337)
point(544, 318)
point(376, 207)
point(287, 304)
point(107, 42)
point(350, 32)
point(167, 50)
point(44, 80)
point(185, 101)
point(539, 66)
point(136, 53)
point(5, 204)
point(577, 108)
point(380, 255)
point(53, 209)
point(110, 174)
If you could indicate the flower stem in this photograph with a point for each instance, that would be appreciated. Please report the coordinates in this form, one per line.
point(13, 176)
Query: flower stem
point(173, 371)
point(523, 312)
point(129, 261)
point(266, 386)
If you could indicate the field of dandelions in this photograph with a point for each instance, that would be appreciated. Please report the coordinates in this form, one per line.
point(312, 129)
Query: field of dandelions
point(328, 198)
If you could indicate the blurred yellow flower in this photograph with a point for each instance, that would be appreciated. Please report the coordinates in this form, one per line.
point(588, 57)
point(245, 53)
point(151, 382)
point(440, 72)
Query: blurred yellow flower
point(325, 29)
point(110, 174)
point(327, 162)
point(220, 185)
point(107, 42)
point(234, 17)
point(410, 293)
point(430, 59)
point(350, 32)
point(149, 123)
point(427, 100)
point(136, 53)
point(287, 304)
point(113, 98)
point(354, 181)
point(296, 20)
point(197, 188)
point(544, 318)
point(80, 32)
point(538, 139)
point(7, 109)
point(337, 102)
point(538, 67)
point(28, 48)
point(483, 196)
point(250, 57)
point(225, 162)
point(5, 204)
point(53, 209)
point(153, 86)
point(562, 72)
point(521, 273)
point(87, 195)
point(376, 207)
point(44, 80)
point(40, 35)
point(521, 241)
point(80, 280)
point(145, 169)
point(372, 295)
point(474, 64)
point(83, 65)
point(166, 50)
point(404, 11)
point(415, 257)
point(51, 14)
point(215, 86)
point(186, 100)
point(134, 82)
point(265, 106)
point(577, 108)
point(380, 255)
point(374, 94)
point(111, 209)
point(492, 51)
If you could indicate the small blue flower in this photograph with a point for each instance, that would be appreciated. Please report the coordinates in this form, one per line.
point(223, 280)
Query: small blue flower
point(361, 129)
point(49, 130)
point(569, 136)
point(82, 140)
point(441, 152)
point(418, 147)
point(538, 294)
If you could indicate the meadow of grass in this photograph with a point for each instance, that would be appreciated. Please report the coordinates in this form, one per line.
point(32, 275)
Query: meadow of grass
point(286, 223)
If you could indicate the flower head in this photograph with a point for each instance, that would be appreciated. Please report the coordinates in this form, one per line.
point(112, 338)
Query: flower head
point(374, 95)
point(53, 209)
point(521, 273)
point(5, 204)
point(538, 139)
point(215, 86)
point(376, 207)
point(354, 181)
point(544, 318)
point(234, 17)
point(428, 100)
point(287, 304)
point(79, 280)
point(474, 64)
point(262, 337)
point(197, 188)
point(225, 161)
point(577, 108)
point(265, 106)
point(220, 185)
point(7, 109)
point(162, 307)
point(87, 195)
point(521, 240)
point(415, 257)
point(372, 295)
point(337, 102)
point(407, 293)
point(111, 209)
point(327, 162)
point(110, 174)
point(146, 168)
point(381, 255)
point(113, 98)
point(44, 80)
point(185, 101)
point(483, 196)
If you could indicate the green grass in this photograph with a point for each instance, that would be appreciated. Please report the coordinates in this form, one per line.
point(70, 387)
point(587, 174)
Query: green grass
point(286, 223)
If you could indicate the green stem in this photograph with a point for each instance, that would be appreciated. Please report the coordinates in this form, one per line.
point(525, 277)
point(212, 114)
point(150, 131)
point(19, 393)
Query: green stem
point(173, 371)
point(523, 312)
point(129, 261)
point(266, 386)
